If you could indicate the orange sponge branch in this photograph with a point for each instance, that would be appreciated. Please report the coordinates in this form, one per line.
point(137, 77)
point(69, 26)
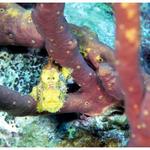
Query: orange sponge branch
point(127, 64)
point(62, 46)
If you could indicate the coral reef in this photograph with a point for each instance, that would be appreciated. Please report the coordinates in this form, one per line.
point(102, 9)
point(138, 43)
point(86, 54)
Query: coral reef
point(33, 127)
point(107, 130)
point(26, 68)
point(99, 73)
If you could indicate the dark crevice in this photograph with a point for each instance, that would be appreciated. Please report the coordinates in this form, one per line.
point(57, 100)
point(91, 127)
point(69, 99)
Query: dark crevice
point(27, 5)
point(67, 117)
point(24, 50)
point(14, 49)
point(145, 61)
point(73, 88)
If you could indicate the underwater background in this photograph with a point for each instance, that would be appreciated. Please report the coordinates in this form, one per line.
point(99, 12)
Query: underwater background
point(20, 70)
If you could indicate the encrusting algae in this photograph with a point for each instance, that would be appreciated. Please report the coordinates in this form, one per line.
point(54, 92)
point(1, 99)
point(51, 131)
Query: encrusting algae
point(13, 12)
point(52, 88)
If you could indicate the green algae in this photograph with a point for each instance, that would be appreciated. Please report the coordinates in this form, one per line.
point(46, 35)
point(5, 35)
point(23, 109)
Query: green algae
point(82, 139)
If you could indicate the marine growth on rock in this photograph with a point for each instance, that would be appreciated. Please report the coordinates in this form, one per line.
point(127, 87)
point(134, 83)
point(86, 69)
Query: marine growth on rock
point(94, 87)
